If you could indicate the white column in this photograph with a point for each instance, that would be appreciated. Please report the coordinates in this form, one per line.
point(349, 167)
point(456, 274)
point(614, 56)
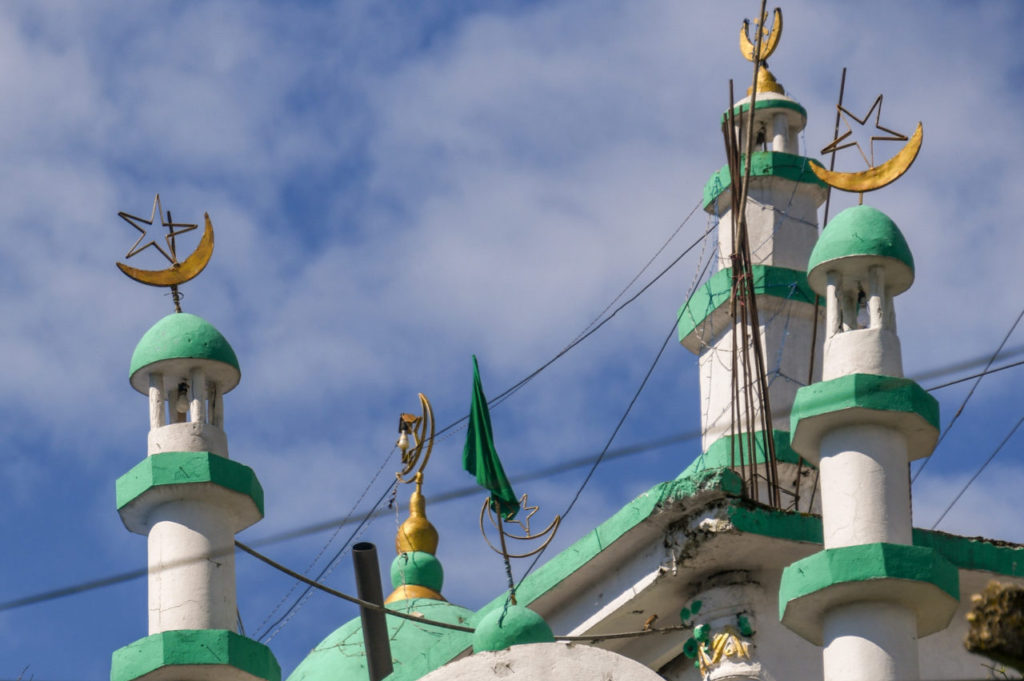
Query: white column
point(870, 641)
point(780, 132)
point(833, 318)
point(876, 293)
point(864, 486)
point(197, 395)
point(157, 407)
point(191, 568)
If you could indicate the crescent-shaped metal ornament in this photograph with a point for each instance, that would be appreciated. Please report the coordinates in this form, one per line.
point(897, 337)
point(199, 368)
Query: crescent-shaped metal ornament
point(770, 41)
point(422, 431)
point(181, 272)
point(877, 177)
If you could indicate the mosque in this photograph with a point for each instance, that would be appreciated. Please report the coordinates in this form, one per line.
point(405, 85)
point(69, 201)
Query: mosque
point(785, 550)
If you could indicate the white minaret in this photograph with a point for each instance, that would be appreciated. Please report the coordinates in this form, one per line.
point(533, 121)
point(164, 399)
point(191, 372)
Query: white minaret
point(190, 500)
point(870, 593)
point(782, 219)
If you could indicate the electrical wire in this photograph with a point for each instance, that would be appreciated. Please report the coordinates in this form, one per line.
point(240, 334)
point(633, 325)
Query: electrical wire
point(119, 578)
point(978, 472)
point(970, 393)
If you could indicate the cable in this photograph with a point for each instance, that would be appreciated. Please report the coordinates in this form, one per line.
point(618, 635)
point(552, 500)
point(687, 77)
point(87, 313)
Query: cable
point(970, 393)
point(611, 438)
point(509, 391)
point(978, 472)
point(330, 541)
point(283, 620)
point(90, 585)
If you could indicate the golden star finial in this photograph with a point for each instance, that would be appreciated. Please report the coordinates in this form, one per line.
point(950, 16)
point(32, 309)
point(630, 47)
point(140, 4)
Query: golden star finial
point(837, 144)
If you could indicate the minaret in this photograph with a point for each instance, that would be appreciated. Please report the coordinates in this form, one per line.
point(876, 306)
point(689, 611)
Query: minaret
point(190, 500)
point(782, 220)
point(870, 594)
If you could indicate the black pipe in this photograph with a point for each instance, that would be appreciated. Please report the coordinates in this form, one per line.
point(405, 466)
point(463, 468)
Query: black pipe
point(375, 626)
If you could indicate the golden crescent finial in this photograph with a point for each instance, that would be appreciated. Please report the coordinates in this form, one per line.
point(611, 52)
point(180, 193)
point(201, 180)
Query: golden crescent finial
point(876, 177)
point(548, 533)
point(769, 40)
point(421, 429)
point(177, 273)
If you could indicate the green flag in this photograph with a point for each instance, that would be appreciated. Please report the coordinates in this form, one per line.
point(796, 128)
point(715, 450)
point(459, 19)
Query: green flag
point(481, 459)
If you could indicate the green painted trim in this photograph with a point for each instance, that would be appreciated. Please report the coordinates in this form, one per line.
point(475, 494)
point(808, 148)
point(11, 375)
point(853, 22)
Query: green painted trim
point(768, 280)
point(864, 391)
point(802, 527)
point(865, 562)
point(860, 230)
point(183, 468)
point(182, 335)
point(720, 453)
point(974, 553)
point(765, 163)
point(767, 104)
point(604, 535)
point(194, 647)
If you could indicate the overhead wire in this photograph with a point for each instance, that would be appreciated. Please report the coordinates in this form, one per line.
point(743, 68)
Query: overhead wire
point(978, 472)
point(970, 394)
point(129, 575)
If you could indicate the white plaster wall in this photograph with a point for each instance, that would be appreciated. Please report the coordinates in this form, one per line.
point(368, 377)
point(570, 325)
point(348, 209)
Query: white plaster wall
point(191, 568)
point(782, 223)
point(191, 436)
point(786, 339)
point(544, 662)
point(863, 351)
point(870, 641)
point(865, 487)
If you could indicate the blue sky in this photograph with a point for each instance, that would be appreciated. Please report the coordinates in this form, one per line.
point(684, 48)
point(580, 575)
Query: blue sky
point(395, 188)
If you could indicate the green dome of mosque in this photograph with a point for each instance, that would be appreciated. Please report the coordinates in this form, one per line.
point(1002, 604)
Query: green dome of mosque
point(416, 648)
point(856, 239)
point(184, 336)
point(515, 625)
point(417, 568)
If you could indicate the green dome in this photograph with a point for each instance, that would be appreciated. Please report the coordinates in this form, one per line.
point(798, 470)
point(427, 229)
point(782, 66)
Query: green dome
point(184, 336)
point(857, 239)
point(515, 625)
point(417, 567)
point(416, 649)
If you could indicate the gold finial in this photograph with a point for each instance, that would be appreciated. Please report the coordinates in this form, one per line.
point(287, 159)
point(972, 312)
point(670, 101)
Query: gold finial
point(766, 83)
point(178, 272)
point(417, 533)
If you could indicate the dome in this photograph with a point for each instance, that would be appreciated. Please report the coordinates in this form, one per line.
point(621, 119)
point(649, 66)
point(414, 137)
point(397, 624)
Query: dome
point(416, 648)
point(184, 336)
point(416, 574)
point(856, 239)
point(504, 627)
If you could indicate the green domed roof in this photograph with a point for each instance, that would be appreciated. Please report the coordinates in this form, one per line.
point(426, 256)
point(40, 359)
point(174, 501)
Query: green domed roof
point(184, 336)
point(502, 628)
point(419, 568)
point(416, 649)
point(856, 234)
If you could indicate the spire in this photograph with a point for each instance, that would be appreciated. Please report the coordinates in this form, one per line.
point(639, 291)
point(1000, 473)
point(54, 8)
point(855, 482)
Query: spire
point(416, 572)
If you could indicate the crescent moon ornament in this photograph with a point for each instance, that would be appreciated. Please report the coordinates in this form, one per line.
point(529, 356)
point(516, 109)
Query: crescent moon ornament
point(769, 40)
point(876, 177)
point(178, 272)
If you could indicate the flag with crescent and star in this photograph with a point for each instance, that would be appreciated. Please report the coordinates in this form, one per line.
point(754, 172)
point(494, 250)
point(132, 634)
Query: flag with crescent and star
point(480, 458)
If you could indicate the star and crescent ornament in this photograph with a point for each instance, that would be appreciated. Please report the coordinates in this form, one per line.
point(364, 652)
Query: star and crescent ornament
point(179, 271)
point(546, 535)
point(876, 176)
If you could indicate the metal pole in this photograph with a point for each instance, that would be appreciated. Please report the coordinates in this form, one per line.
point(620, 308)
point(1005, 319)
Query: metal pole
point(375, 626)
